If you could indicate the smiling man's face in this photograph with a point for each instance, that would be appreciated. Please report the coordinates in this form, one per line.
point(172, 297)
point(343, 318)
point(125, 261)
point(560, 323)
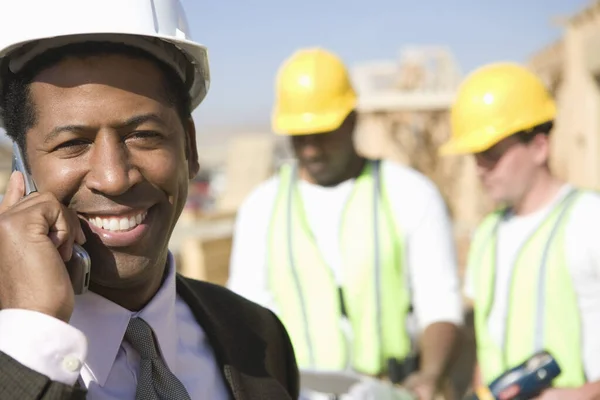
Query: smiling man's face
point(109, 144)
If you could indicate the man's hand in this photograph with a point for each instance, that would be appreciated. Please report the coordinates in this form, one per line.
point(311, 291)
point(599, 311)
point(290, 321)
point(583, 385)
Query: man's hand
point(424, 385)
point(589, 391)
point(36, 239)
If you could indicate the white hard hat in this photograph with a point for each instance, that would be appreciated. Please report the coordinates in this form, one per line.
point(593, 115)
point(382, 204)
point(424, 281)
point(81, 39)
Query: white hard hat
point(30, 27)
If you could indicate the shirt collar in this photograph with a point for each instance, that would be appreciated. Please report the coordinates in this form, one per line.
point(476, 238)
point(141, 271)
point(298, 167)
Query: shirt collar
point(104, 323)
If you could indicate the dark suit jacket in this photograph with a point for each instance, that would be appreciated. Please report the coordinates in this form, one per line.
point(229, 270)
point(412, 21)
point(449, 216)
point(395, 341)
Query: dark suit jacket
point(251, 346)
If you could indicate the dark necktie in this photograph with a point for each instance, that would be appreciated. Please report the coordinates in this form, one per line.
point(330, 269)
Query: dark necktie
point(155, 380)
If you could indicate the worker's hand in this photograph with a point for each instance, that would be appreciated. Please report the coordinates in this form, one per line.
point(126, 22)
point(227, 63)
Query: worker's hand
point(374, 389)
point(424, 385)
point(590, 391)
point(36, 239)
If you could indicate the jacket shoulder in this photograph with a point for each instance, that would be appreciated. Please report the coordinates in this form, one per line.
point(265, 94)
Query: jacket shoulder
point(239, 319)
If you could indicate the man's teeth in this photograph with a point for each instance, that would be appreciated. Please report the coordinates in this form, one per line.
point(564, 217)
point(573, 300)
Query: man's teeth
point(118, 224)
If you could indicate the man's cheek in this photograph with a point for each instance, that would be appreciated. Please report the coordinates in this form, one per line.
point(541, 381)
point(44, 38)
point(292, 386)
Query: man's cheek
point(169, 175)
point(62, 182)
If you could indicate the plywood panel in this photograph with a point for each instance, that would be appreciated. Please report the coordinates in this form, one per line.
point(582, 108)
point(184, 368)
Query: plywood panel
point(206, 260)
point(249, 162)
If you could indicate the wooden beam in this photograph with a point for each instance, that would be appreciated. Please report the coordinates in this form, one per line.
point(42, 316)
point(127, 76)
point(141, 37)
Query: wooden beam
point(399, 101)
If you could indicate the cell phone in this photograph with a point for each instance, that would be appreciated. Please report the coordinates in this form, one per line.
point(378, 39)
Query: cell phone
point(79, 266)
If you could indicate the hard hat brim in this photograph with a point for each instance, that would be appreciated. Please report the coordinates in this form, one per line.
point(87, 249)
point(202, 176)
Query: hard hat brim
point(198, 80)
point(478, 142)
point(464, 146)
point(312, 123)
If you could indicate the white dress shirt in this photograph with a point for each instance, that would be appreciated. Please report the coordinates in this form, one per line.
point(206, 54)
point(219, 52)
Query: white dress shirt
point(91, 346)
point(583, 262)
point(425, 223)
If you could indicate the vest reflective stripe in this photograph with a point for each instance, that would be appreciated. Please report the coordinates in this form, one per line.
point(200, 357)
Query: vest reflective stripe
point(374, 289)
point(543, 311)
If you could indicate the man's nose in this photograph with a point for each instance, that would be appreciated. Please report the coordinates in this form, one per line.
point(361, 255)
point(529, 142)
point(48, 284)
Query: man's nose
point(110, 169)
point(308, 145)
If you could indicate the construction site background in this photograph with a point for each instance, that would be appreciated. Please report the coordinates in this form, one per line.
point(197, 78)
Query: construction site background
point(404, 116)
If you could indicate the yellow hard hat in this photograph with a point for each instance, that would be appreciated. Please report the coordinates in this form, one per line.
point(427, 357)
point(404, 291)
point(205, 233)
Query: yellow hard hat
point(313, 93)
point(495, 102)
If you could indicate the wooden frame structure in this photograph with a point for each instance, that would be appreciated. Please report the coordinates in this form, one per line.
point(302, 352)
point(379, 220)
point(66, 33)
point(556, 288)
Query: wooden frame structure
point(571, 69)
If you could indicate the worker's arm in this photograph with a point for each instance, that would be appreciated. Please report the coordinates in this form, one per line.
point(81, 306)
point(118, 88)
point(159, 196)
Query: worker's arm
point(433, 277)
point(436, 289)
point(470, 343)
point(248, 273)
point(439, 346)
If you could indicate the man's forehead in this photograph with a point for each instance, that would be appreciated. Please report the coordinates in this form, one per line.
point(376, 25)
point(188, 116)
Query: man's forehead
point(70, 67)
point(115, 75)
point(504, 143)
point(90, 104)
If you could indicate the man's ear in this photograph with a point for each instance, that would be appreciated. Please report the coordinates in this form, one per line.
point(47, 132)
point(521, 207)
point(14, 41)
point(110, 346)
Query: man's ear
point(542, 147)
point(191, 151)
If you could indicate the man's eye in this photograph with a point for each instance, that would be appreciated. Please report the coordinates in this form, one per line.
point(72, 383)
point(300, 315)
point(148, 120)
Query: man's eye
point(72, 143)
point(146, 139)
point(144, 135)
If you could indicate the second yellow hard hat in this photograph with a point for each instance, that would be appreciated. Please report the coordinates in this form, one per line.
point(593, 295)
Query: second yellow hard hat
point(313, 93)
point(495, 102)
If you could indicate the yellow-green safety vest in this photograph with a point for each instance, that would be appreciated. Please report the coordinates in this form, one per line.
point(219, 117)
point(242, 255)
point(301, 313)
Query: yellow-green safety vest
point(374, 292)
point(543, 312)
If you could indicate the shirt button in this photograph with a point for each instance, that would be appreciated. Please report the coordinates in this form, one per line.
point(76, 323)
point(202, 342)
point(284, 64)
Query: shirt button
point(71, 363)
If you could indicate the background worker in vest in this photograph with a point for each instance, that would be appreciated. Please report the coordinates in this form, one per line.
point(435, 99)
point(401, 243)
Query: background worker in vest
point(534, 265)
point(309, 237)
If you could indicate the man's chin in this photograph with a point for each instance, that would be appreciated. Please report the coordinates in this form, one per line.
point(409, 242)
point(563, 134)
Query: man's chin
point(121, 270)
point(321, 175)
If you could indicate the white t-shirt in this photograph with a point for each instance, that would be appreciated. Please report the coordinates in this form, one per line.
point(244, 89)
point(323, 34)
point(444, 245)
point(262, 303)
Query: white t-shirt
point(430, 257)
point(583, 257)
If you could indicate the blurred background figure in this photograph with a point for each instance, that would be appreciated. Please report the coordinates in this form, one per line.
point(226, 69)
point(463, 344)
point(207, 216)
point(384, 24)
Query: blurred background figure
point(534, 265)
point(339, 246)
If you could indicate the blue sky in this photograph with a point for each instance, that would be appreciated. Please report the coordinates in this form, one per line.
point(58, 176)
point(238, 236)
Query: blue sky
point(248, 40)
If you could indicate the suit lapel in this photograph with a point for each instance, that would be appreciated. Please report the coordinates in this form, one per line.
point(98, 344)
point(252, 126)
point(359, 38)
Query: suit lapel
point(229, 352)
